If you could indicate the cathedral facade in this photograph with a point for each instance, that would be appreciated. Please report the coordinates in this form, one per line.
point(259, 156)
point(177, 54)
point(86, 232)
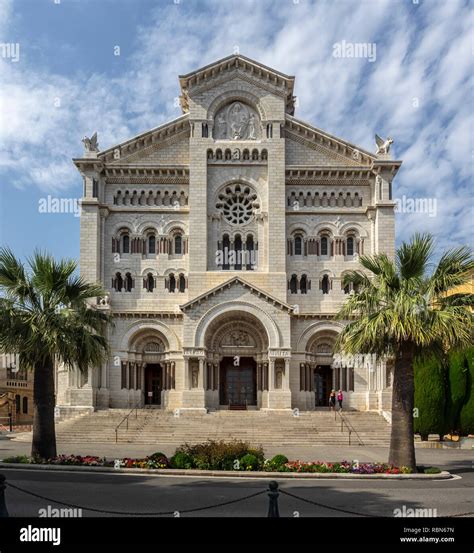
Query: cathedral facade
point(221, 239)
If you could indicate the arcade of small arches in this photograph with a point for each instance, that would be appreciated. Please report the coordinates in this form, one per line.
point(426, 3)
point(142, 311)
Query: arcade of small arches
point(301, 283)
point(301, 199)
point(150, 198)
point(173, 282)
point(325, 244)
point(149, 243)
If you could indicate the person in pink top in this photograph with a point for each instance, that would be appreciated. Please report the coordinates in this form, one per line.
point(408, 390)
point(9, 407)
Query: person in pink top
point(340, 397)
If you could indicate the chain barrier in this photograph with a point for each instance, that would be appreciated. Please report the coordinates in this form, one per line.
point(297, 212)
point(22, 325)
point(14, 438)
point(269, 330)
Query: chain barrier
point(159, 513)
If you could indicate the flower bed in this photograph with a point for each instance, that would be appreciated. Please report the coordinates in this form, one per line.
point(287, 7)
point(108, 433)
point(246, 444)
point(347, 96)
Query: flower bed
point(236, 456)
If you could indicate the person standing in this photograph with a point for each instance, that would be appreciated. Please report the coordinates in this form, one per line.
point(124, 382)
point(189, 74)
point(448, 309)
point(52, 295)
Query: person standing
point(332, 400)
point(340, 398)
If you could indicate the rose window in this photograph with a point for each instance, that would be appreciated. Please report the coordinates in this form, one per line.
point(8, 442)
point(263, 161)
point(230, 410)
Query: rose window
point(237, 204)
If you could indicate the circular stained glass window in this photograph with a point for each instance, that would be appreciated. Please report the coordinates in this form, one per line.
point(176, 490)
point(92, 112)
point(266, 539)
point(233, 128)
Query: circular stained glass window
point(237, 204)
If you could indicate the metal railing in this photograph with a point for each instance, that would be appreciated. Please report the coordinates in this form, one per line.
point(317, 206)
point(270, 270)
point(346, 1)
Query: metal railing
point(126, 419)
point(350, 428)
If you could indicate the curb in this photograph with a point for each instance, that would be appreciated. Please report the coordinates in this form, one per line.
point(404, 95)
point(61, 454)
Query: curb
point(443, 475)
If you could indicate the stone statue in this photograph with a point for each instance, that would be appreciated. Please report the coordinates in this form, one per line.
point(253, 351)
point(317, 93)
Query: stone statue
point(195, 377)
point(279, 380)
point(251, 127)
point(104, 301)
point(383, 146)
point(91, 144)
point(221, 126)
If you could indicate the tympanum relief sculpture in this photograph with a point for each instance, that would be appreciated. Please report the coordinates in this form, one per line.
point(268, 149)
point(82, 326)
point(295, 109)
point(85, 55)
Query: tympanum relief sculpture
point(237, 121)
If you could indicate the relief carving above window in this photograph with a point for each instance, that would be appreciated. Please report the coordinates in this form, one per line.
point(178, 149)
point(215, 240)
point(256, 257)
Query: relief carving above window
point(237, 121)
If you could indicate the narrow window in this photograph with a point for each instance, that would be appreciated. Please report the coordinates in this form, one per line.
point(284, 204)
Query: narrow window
point(182, 283)
point(128, 282)
point(126, 243)
point(172, 285)
point(325, 284)
point(25, 405)
point(350, 246)
point(151, 244)
point(298, 245)
point(294, 284)
point(178, 244)
point(324, 245)
point(238, 253)
point(304, 284)
point(251, 261)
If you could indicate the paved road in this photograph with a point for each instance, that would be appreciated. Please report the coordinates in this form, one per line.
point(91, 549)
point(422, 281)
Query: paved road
point(136, 493)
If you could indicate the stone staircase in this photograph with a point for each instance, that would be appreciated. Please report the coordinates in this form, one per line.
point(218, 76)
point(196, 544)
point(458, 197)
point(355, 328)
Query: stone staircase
point(270, 429)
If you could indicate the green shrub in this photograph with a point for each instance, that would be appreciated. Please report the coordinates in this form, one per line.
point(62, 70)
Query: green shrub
point(249, 462)
point(159, 459)
point(277, 463)
point(220, 455)
point(24, 459)
point(456, 389)
point(430, 394)
point(466, 417)
point(181, 460)
point(431, 470)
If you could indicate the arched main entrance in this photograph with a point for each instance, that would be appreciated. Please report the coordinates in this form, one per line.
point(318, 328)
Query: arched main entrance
point(149, 374)
point(237, 345)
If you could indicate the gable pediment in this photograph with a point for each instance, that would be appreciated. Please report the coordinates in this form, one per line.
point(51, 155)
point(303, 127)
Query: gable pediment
point(235, 281)
point(147, 147)
point(241, 67)
point(327, 149)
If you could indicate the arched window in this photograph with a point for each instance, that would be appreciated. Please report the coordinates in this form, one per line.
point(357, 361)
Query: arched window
point(182, 283)
point(125, 243)
point(151, 243)
point(298, 245)
point(149, 282)
point(325, 284)
point(128, 282)
point(178, 244)
point(172, 283)
point(251, 260)
point(117, 282)
point(238, 253)
point(25, 405)
point(226, 252)
point(324, 245)
point(293, 284)
point(346, 288)
point(350, 246)
point(304, 284)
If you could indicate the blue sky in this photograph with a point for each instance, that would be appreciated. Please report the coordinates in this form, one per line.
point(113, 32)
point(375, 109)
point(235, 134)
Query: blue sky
point(67, 83)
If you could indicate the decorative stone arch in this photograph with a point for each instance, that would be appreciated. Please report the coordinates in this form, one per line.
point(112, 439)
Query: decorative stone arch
point(233, 307)
point(122, 225)
point(329, 227)
point(174, 226)
point(136, 330)
point(147, 226)
point(320, 328)
point(236, 96)
point(255, 335)
point(355, 227)
point(154, 272)
point(299, 227)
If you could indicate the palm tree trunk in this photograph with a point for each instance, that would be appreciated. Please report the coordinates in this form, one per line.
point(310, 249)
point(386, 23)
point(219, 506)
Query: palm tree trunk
point(402, 446)
point(44, 434)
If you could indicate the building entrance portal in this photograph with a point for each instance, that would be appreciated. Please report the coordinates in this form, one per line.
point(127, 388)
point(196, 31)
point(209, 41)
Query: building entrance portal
point(322, 385)
point(238, 379)
point(153, 384)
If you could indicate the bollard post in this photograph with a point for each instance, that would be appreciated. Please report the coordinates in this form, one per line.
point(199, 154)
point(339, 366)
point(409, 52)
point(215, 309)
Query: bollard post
point(273, 494)
point(3, 505)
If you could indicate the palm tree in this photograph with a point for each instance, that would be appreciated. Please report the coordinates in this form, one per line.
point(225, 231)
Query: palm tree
point(400, 310)
point(47, 317)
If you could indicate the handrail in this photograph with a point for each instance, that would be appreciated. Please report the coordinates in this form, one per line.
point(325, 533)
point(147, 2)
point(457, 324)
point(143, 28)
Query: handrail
point(349, 426)
point(135, 408)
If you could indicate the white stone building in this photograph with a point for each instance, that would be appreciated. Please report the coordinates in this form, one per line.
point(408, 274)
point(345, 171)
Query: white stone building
point(222, 238)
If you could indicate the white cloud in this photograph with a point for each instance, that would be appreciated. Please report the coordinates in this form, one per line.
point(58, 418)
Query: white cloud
point(423, 53)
